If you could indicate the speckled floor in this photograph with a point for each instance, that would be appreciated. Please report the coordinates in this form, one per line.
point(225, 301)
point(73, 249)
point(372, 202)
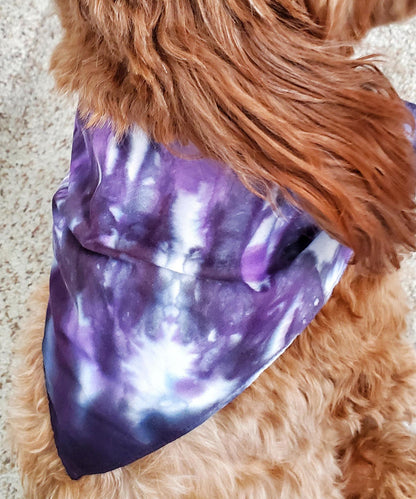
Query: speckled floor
point(35, 139)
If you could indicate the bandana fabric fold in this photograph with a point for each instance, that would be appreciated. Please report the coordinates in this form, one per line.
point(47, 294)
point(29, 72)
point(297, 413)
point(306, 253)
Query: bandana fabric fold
point(173, 288)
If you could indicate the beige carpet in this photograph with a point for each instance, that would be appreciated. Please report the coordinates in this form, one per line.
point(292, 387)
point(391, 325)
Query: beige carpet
point(35, 140)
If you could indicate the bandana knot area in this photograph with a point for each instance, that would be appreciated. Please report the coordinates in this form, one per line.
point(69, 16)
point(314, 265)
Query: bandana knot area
point(173, 287)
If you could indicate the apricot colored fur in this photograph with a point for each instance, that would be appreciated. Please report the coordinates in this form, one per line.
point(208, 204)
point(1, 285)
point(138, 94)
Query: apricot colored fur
point(327, 417)
point(267, 87)
point(258, 85)
point(344, 19)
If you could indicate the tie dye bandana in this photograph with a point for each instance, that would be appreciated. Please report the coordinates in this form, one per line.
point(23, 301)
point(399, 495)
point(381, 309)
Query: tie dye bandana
point(173, 288)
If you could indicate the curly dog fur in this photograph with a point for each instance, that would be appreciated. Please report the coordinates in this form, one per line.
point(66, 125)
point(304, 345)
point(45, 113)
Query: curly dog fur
point(269, 88)
point(325, 420)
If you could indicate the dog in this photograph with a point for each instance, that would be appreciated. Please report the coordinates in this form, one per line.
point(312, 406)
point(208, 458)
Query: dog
point(270, 89)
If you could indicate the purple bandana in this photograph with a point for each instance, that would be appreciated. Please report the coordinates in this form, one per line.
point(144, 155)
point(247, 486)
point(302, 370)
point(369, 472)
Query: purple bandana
point(173, 288)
